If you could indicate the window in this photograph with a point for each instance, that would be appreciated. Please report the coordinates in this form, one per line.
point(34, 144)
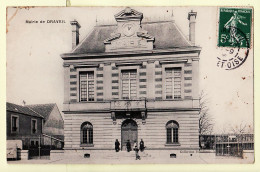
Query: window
point(14, 124)
point(34, 126)
point(86, 133)
point(173, 83)
point(87, 86)
point(172, 128)
point(129, 84)
point(34, 142)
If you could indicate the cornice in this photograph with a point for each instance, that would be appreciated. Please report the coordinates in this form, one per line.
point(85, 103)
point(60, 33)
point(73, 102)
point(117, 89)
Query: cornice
point(155, 52)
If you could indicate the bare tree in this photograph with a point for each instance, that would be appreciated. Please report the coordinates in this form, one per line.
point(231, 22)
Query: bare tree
point(206, 122)
point(239, 131)
point(242, 128)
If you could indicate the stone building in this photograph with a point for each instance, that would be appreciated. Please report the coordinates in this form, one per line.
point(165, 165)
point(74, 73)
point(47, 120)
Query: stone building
point(130, 81)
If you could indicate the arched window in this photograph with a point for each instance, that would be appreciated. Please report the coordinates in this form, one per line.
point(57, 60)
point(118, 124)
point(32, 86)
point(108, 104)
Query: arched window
point(86, 133)
point(172, 132)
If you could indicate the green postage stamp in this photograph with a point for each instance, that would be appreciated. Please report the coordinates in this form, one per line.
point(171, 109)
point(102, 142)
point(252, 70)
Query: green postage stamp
point(234, 36)
point(235, 27)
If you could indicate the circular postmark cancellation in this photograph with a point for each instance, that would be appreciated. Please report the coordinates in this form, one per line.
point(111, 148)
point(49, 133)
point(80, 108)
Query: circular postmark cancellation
point(234, 37)
point(233, 57)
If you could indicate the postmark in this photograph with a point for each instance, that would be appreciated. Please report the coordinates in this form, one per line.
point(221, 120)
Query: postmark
point(234, 37)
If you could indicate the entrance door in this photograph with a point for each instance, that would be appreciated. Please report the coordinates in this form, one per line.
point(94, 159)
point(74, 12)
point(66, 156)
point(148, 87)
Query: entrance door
point(128, 132)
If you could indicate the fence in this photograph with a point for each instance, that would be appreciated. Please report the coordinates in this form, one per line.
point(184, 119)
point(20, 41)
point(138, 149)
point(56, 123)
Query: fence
point(228, 144)
point(40, 147)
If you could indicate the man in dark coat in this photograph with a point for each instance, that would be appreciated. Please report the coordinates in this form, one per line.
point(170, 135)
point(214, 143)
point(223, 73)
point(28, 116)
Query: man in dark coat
point(117, 144)
point(141, 145)
point(128, 146)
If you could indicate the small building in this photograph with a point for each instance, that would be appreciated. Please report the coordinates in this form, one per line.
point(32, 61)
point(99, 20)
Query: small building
point(53, 124)
point(22, 123)
point(130, 81)
point(38, 128)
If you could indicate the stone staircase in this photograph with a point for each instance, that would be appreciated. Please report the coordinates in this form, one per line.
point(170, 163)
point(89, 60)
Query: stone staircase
point(124, 155)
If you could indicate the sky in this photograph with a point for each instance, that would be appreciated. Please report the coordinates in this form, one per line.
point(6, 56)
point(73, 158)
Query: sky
point(35, 71)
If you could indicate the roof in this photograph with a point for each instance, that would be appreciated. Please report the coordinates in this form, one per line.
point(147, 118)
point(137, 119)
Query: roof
point(22, 109)
point(166, 33)
point(43, 109)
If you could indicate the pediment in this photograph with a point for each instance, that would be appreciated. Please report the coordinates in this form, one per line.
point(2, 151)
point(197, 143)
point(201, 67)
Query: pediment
point(128, 13)
point(129, 34)
point(139, 41)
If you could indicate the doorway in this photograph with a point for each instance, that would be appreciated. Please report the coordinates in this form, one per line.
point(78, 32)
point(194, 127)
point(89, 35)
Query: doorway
point(128, 132)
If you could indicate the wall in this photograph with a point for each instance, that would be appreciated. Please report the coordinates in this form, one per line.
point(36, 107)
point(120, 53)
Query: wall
point(24, 125)
point(24, 132)
point(54, 124)
point(150, 85)
point(153, 132)
point(150, 70)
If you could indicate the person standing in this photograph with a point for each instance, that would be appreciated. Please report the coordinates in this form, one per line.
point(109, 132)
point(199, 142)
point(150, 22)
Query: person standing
point(117, 144)
point(135, 144)
point(142, 145)
point(128, 146)
point(137, 156)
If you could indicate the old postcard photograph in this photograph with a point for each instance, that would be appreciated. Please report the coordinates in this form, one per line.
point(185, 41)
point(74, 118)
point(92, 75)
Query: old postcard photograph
point(130, 85)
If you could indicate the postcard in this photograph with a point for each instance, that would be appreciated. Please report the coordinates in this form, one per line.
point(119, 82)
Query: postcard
point(130, 85)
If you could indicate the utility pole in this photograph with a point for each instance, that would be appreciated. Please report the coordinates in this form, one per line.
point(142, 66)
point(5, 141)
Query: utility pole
point(39, 147)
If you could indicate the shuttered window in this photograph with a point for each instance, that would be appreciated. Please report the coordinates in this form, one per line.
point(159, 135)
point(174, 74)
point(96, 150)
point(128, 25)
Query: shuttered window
point(173, 83)
point(129, 84)
point(87, 86)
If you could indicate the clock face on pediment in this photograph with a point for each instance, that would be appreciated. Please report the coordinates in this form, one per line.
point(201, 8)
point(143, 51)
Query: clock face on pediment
point(129, 29)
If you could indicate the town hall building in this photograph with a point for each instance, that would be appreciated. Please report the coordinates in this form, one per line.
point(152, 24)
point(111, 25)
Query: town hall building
point(131, 81)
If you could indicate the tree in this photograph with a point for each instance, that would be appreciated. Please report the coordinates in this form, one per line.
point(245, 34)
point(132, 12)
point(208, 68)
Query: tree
point(240, 132)
point(238, 129)
point(206, 122)
point(242, 128)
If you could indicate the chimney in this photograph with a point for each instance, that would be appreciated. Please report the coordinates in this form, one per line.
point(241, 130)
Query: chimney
point(75, 33)
point(192, 20)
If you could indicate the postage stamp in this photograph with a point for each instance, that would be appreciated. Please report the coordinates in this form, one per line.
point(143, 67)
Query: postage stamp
point(234, 36)
point(234, 27)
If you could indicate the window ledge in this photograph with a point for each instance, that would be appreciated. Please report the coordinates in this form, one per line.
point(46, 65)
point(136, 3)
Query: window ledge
point(172, 144)
point(86, 145)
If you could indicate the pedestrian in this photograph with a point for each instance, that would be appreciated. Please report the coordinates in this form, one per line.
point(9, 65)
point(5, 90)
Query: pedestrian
point(117, 144)
point(142, 145)
point(137, 156)
point(128, 146)
point(135, 144)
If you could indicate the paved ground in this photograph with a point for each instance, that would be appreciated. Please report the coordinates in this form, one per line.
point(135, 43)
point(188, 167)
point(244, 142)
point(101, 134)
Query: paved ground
point(202, 159)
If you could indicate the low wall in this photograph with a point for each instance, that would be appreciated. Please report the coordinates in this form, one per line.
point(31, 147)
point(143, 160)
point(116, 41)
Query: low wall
point(71, 154)
point(56, 154)
point(173, 153)
point(248, 154)
point(23, 154)
point(207, 153)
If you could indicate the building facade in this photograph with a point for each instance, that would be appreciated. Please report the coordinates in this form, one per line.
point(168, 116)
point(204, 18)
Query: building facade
point(23, 124)
point(130, 81)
